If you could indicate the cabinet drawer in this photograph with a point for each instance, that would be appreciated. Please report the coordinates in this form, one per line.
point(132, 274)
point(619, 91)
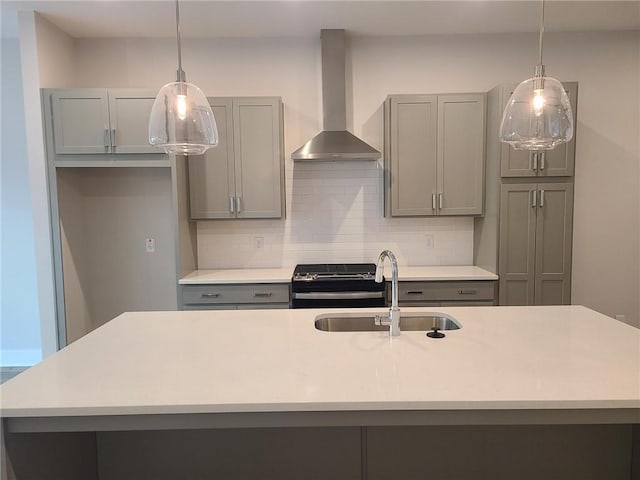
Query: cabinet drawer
point(443, 291)
point(235, 294)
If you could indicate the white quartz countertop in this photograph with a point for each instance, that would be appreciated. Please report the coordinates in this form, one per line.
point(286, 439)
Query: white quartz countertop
point(238, 275)
point(283, 275)
point(564, 357)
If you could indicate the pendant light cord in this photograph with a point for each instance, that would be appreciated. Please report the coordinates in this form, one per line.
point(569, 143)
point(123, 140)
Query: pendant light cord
point(180, 76)
point(541, 33)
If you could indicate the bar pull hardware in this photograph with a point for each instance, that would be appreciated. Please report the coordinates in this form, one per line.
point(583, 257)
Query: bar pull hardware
point(534, 198)
point(467, 292)
point(113, 139)
point(541, 198)
point(262, 294)
point(414, 292)
point(232, 204)
point(440, 200)
point(534, 155)
point(106, 139)
point(210, 295)
point(238, 204)
point(542, 157)
point(433, 201)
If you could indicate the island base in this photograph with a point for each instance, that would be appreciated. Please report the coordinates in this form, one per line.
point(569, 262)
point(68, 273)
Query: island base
point(498, 452)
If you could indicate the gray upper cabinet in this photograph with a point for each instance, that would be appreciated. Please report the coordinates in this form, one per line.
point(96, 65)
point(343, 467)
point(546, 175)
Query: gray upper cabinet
point(101, 121)
point(412, 131)
point(243, 177)
point(434, 154)
point(558, 162)
point(535, 243)
point(212, 175)
point(461, 153)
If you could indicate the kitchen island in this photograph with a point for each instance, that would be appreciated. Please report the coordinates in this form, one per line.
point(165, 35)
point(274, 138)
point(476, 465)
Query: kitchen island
point(517, 391)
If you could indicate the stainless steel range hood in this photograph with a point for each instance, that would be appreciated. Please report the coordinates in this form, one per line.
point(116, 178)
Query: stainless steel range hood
point(334, 142)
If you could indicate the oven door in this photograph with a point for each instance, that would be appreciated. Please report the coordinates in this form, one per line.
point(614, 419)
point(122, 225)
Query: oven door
point(337, 299)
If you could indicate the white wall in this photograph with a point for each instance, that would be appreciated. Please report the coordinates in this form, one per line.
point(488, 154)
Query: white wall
point(47, 61)
point(20, 327)
point(606, 264)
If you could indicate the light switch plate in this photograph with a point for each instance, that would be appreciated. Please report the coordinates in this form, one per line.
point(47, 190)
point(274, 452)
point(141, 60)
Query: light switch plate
point(150, 244)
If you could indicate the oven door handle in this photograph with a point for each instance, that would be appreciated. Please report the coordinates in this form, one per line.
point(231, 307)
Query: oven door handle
point(336, 295)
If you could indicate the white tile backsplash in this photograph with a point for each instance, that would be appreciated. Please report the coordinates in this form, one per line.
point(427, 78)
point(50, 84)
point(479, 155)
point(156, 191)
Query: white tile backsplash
point(334, 214)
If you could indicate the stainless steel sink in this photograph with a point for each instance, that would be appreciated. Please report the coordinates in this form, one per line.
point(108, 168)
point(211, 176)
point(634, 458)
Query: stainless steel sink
point(365, 322)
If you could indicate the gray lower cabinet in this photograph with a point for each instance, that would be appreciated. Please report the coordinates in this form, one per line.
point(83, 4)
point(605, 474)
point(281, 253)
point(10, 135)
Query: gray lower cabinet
point(535, 243)
point(446, 293)
point(101, 121)
point(558, 162)
point(243, 177)
point(434, 154)
point(235, 296)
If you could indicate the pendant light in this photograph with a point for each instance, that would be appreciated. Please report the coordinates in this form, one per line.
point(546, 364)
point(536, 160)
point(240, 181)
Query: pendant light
point(181, 121)
point(538, 115)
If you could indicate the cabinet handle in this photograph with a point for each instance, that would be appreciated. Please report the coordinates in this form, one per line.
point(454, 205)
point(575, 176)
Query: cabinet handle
point(542, 156)
point(106, 140)
point(534, 198)
point(262, 294)
point(231, 204)
point(440, 200)
point(541, 198)
point(210, 295)
point(238, 204)
point(467, 292)
point(113, 139)
point(534, 155)
point(433, 201)
point(414, 292)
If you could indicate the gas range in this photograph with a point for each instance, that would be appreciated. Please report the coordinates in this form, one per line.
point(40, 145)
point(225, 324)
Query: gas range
point(335, 285)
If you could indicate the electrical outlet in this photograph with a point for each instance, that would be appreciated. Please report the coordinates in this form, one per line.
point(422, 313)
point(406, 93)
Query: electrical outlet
point(150, 245)
point(429, 240)
point(258, 243)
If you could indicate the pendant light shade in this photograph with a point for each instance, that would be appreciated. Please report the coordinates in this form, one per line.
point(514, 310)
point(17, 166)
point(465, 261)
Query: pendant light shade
point(538, 115)
point(181, 121)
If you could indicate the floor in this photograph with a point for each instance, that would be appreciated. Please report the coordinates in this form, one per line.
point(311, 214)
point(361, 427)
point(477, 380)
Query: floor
point(9, 372)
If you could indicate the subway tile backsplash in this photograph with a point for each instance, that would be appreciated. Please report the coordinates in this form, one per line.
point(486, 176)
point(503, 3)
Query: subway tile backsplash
point(334, 214)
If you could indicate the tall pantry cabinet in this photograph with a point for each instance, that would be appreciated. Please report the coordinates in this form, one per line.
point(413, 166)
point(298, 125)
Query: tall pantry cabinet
point(525, 235)
point(114, 222)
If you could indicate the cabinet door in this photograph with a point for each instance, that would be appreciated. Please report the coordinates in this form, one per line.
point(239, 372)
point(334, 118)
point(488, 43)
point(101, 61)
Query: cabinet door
point(258, 157)
point(129, 112)
point(560, 161)
point(211, 176)
point(553, 244)
point(461, 153)
point(514, 163)
point(80, 121)
point(413, 128)
point(552, 163)
point(517, 244)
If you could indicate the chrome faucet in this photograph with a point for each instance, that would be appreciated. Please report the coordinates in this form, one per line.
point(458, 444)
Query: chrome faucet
point(393, 319)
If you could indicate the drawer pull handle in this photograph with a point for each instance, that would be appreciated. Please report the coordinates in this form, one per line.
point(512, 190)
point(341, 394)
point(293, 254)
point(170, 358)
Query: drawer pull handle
point(414, 292)
point(210, 295)
point(262, 294)
point(467, 292)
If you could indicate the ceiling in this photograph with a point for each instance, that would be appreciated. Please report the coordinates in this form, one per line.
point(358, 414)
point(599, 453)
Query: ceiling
point(304, 18)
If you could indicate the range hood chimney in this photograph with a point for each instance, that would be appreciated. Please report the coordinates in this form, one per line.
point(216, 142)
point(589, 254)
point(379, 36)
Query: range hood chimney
point(334, 142)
